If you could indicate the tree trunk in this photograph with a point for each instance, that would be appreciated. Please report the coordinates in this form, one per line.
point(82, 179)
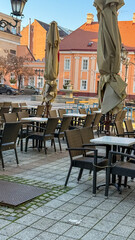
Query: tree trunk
point(19, 82)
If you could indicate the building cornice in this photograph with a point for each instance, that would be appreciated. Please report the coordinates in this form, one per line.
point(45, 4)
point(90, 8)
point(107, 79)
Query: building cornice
point(9, 41)
point(78, 52)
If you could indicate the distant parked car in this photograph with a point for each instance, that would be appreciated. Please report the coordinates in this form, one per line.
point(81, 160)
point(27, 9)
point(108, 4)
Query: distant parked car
point(7, 89)
point(29, 90)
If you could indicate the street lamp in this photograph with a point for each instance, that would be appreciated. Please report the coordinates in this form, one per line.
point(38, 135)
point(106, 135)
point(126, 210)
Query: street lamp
point(17, 9)
point(125, 61)
point(39, 72)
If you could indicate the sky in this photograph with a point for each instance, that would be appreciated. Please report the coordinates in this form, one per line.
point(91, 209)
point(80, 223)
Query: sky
point(70, 14)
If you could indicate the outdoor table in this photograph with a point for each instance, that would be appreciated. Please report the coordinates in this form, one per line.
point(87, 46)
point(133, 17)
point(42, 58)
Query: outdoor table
point(77, 115)
point(35, 119)
point(114, 142)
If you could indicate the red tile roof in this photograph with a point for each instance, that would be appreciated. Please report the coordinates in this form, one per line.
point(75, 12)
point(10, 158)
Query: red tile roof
point(80, 38)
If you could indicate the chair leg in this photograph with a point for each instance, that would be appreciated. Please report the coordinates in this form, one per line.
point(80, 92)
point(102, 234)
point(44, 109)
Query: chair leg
point(94, 180)
point(2, 162)
point(80, 174)
point(26, 144)
point(107, 181)
point(21, 145)
point(45, 147)
point(54, 145)
point(68, 175)
point(59, 144)
point(16, 156)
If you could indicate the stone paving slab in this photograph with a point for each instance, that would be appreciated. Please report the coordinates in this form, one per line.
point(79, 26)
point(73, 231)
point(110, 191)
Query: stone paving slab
point(52, 215)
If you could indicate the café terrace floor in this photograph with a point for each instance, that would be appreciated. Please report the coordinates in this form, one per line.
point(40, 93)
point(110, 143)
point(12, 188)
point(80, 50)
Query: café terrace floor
point(64, 213)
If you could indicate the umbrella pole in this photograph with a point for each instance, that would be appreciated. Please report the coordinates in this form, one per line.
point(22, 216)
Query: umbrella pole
point(107, 124)
point(47, 108)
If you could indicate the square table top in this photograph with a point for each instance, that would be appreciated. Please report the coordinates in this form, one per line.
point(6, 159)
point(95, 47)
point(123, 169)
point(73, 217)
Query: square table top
point(34, 119)
point(110, 140)
point(74, 115)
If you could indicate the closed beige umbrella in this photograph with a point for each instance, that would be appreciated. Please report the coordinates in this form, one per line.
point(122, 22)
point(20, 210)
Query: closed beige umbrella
point(111, 86)
point(51, 63)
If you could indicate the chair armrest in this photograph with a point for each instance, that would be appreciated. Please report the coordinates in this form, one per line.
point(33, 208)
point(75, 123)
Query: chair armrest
point(95, 144)
point(111, 153)
point(81, 149)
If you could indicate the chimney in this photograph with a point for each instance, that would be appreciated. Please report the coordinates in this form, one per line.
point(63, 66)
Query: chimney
point(90, 18)
point(133, 17)
point(29, 33)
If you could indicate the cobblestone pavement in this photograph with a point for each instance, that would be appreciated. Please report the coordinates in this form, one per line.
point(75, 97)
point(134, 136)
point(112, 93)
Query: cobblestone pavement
point(64, 213)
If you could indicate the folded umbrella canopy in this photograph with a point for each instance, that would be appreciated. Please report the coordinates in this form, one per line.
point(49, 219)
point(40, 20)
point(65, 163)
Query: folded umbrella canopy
point(51, 63)
point(111, 86)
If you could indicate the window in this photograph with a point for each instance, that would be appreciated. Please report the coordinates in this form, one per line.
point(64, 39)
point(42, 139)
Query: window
point(67, 64)
point(40, 82)
point(85, 64)
point(66, 81)
point(13, 30)
point(12, 51)
point(83, 85)
point(12, 76)
point(32, 81)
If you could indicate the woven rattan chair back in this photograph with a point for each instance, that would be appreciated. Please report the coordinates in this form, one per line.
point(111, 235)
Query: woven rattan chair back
point(82, 111)
point(40, 111)
point(119, 128)
point(10, 133)
point(89, 120)
point(7, 104)
point(129, 125)
point(74, 140)
point(23, 104)
point(97, 120)
point(118, 116)
point(61, 112)
point(23, 114)
point(93, 109)
point(51, 125)
point(65, 124)
point(15, 105)
point(4, 110)
point(53, 113)
point(10, 117)
point(123, 115)
point(87, 135)
point(16, 109)
point(1, 104)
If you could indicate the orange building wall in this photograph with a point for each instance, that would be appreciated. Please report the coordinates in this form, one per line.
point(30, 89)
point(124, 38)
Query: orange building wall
point(76, 74)
point(37, 39)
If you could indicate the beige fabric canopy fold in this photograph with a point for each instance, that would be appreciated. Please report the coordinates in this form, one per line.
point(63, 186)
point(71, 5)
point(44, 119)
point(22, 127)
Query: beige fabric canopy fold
point(51, 63)
point(111, 86)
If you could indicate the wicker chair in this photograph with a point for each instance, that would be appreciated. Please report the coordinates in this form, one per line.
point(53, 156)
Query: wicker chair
point(39, 111)
point(96, 122)
point(123, 167)
point(65, 123)
point(61, 112)
point(8, 139)
point(44, 134)
point(79, 158)
point(7, 104)
point(10, 117)
point(89, 120)
point(26, 127)
point(129, 127)
point(53, 114)
point(82, 111)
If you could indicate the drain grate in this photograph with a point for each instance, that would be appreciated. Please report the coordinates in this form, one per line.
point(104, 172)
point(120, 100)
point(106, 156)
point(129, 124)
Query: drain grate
point(14, 194)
